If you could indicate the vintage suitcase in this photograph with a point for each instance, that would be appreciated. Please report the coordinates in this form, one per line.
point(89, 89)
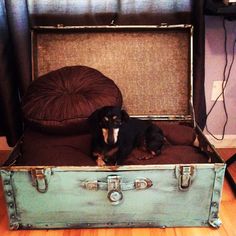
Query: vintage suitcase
point(152, 65)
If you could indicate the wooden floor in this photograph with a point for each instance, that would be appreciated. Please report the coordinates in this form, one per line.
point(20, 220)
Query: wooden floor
point(227, 215)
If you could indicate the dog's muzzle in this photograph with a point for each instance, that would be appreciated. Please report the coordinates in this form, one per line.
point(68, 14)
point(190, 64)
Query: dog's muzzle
point(110, 135)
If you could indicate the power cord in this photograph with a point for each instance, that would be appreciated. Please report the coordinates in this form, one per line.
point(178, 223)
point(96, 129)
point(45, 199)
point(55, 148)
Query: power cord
point(225, 81)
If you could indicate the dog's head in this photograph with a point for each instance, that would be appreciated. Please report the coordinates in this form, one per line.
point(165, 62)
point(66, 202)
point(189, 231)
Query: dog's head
point(109, 120)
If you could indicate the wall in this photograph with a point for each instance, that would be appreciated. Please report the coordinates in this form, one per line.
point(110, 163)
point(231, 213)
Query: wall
point(214, 68)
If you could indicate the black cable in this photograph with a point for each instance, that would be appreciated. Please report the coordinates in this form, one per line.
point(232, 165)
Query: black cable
point(224, 84)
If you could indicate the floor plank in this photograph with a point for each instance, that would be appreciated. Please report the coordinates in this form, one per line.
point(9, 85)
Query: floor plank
point(227, 215)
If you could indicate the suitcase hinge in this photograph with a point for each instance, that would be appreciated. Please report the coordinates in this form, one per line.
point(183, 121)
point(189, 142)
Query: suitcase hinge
point(39, 178)
point(184, 175)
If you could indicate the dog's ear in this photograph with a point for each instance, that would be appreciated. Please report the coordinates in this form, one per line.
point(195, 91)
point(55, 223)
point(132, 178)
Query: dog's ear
point(124, 116)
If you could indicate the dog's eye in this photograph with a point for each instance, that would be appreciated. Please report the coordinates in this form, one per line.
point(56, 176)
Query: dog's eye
point(105, 120)
point(114, 117)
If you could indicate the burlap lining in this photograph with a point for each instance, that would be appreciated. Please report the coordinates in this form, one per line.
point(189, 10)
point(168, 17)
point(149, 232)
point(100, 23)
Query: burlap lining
point(150, 68)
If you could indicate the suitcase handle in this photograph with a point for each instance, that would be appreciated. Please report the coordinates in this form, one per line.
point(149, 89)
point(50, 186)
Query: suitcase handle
point(115, 186)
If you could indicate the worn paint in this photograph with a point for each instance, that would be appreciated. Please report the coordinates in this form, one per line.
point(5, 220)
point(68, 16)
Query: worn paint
point(68, 204)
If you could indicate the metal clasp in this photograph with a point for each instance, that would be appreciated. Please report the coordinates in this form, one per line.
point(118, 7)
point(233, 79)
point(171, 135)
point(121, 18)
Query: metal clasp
point(115, 186)
point(114, 194)
point(39, 179)
point(142, 183)
point(185, 176)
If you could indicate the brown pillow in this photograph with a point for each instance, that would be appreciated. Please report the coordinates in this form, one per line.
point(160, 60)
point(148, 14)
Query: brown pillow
point(61, 101)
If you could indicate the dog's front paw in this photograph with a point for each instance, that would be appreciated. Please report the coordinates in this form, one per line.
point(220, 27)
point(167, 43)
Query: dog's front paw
point(100, 161)
point(99, 158)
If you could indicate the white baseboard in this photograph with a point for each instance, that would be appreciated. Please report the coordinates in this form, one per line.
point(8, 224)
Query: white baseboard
point(229, 141)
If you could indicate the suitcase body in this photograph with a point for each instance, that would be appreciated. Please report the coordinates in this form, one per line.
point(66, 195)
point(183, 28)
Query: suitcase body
point(152, 65)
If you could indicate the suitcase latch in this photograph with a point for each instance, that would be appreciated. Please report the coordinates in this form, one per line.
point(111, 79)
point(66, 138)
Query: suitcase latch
point(114, 194)
point(184, 175)
point(39, 179)
point(115, 186)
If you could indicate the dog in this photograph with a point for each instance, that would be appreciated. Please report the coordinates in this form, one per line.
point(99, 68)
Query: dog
point(115, 135)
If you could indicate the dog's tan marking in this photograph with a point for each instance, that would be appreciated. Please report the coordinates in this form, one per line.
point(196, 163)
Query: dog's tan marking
point(114, 117)
point(100, 158)
point(115, 134)
point(100, 161)
point(105, 134)
point(106, 118)
point(153, 153)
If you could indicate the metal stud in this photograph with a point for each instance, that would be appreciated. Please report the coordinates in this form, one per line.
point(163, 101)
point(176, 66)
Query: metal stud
point(215, 214)
point(6, 182)
point(14, 226)
point(214, 204)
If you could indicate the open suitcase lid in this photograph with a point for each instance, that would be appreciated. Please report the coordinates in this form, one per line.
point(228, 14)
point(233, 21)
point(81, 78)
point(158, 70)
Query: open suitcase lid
point(152, 65)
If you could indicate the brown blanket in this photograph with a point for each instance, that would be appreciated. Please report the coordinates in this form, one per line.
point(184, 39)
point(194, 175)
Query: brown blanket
point(74, 150)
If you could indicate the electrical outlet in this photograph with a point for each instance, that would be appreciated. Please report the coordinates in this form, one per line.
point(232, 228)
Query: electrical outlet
point(217, 90)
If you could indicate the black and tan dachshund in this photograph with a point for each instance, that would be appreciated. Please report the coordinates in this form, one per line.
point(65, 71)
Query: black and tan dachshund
point(115, 135)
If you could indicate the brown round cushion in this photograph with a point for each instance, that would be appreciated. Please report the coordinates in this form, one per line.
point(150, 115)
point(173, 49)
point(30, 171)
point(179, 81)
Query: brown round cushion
point(62, 100)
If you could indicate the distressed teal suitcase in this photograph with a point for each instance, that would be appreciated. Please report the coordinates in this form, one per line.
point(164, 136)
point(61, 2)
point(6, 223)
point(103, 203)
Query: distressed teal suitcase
point(152, 65)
